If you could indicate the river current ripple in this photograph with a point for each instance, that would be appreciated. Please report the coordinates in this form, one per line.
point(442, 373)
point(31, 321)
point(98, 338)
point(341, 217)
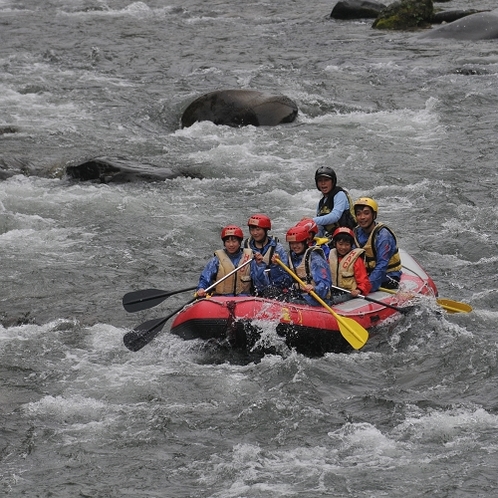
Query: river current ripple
point(412, 124)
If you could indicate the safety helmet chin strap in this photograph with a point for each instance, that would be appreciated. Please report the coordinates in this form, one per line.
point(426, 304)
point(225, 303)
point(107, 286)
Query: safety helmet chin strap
point(374, 217)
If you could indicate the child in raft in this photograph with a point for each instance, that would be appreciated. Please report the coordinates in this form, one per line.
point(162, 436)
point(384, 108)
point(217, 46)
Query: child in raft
point(347, 267)
point(309, 264)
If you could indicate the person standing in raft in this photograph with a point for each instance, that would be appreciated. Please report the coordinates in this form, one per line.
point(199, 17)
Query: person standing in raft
point(380, 245)
point(335, 207)
point(270, 280)
point(224, 261)
point(310, 265)
point(347, 267)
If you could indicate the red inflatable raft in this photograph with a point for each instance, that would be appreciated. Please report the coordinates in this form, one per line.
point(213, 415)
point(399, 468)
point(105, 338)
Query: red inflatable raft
point(311, 330)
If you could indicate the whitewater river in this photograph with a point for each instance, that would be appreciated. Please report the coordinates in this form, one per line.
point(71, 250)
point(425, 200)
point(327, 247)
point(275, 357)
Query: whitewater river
point(412, 124)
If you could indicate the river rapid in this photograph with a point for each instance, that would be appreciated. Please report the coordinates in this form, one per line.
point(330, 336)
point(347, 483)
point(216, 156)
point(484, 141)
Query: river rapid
point(411, 124)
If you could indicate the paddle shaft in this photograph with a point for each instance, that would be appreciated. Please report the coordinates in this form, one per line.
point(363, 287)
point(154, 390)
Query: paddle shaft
point(352, 331)
point(141, 335)
point(395, 308)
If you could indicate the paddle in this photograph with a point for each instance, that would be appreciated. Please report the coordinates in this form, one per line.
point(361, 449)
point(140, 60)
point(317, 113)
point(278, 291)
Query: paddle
point(141, 335)
point(352, 331)
point(148, 298)
point(454, 306)
point(449, 305)
point(320, 241)
point(400, 310)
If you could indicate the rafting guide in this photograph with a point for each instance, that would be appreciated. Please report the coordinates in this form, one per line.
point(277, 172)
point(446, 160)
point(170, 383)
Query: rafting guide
point(335, 207)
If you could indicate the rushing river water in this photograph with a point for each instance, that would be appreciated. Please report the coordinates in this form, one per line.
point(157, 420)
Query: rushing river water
point(411, 124)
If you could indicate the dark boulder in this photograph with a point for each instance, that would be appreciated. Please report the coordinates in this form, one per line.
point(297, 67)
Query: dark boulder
point(357, 9)
point(240, 108)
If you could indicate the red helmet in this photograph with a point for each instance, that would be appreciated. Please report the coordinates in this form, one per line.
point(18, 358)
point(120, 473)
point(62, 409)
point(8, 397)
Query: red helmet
point(310, 224)
point(299, 233)
point(259, 220)
point(232, 231)
point(343, 230)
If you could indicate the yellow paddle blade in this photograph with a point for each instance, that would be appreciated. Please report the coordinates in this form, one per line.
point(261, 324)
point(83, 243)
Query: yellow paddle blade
point(352, 331)
point(320, 241)
point(449, 305)
point(454, 306)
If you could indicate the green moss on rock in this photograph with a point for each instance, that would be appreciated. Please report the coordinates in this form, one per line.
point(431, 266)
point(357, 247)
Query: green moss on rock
point(405, 14)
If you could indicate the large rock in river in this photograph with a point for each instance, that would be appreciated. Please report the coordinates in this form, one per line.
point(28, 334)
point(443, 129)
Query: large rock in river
point(240, 108)
point(357, 9)
point(482, 26)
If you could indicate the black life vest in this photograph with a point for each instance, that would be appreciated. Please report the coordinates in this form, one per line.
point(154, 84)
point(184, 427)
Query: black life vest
point(326, 206)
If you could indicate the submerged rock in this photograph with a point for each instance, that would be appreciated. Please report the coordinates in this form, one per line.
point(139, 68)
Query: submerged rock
point(98, 169)
point(8, 129)
point(106, 170)
point(446, 16)
point(481, 26)
point(11, 166)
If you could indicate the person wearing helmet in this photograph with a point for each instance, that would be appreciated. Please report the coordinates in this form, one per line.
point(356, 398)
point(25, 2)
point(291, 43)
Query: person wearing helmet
point(270, 279)
point(313, 239)
point(335, 207)
point(224, 261)
point(347, 267)
point(380, 245)
point(309, 264)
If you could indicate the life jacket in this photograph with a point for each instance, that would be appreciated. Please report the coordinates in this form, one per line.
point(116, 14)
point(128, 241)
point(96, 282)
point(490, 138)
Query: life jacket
point(342, 270)
point(239, 282)
point(303, 270)
point(326, 205)
point(270, 250)
point(394, 263)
